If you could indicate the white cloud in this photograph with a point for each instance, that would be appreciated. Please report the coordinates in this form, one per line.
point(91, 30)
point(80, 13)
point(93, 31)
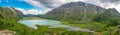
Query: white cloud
point(118, 7)
point(32, 11)
point(49, 3)
point(34, 3)
point(105, 4)
point(95, 2)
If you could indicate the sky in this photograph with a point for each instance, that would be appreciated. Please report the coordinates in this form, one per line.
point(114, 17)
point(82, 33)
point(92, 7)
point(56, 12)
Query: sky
point(36, 7)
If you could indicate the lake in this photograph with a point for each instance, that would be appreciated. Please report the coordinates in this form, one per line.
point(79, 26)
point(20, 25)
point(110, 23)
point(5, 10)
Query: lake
point(51, 24)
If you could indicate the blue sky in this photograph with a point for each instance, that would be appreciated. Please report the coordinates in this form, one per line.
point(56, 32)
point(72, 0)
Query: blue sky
point(18, 4)
point(15, 4)
point(22, 5)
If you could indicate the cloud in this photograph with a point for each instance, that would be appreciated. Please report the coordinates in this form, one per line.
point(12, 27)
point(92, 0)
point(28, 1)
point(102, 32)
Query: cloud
point(95, 2)
point(57, 3)
point(118, 7)
point(49, 3)
point(105, 3)
point(110, 1)
point(32, 11)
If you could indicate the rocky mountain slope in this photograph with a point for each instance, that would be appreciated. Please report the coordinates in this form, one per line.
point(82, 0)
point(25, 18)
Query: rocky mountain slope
point(78, 11)
point(10, 13)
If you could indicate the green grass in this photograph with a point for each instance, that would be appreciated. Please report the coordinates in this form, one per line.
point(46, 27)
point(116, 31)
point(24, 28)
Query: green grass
point(95, 26)
point(74, 24)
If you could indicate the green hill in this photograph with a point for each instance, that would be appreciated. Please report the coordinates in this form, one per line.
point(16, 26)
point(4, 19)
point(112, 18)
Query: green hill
point(80, 11)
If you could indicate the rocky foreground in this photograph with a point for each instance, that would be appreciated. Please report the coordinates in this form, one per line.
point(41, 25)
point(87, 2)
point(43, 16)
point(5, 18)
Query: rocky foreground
point(7, 32)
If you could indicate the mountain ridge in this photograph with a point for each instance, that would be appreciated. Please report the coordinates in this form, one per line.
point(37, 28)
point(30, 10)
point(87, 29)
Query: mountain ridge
point(79, 11)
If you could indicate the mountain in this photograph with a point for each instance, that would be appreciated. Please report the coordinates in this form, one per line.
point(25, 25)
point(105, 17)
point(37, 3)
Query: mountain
point(19, 13)
point(9, 25)
point(75, 11)
point(110, 16)
point(31, 15)
point(10, 13)
point(88, 16)
point(78, 11)
point(9, 21)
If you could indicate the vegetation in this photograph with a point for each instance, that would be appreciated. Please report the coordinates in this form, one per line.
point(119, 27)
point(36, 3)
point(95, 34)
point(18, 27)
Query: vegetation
point(102, 21)
point(59, 31)
point(9, 18)
point(89, 16)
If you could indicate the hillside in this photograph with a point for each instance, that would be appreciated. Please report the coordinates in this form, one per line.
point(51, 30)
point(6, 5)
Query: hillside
point(10, 14)
point(78, 14)
point(110, 16)
point(75, 11)
point(9, 21)
point(80, 11)
point(88, 16)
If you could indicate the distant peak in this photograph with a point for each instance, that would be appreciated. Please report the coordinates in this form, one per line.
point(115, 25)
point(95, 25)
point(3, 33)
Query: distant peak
point(112, 9)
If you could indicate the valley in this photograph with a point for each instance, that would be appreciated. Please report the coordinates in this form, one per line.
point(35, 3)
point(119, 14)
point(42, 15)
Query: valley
point(75, 18)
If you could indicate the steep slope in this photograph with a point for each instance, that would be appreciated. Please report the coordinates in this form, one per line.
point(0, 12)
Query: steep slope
point(10, 13)
point(88, 16)
point(9, 21)
point(19, 13)
point(75, 11)
point(78, 11)
point(110, 16)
